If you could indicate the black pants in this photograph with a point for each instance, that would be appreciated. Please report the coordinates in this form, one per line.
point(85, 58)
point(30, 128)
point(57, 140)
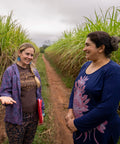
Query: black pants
point(22, 134)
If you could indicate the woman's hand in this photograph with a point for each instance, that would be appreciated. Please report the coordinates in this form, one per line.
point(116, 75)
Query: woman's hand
point(70, 120)
point(70, 125)
point(69, 115)
point(7, 100)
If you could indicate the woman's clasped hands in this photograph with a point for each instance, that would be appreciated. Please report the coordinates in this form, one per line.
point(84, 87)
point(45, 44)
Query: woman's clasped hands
point(70, 121)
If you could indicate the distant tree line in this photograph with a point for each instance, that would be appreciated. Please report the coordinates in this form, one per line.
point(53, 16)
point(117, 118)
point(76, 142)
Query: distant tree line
point(43, 47)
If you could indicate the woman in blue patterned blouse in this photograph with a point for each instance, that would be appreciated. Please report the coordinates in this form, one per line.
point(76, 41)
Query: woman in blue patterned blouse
point(94, 100)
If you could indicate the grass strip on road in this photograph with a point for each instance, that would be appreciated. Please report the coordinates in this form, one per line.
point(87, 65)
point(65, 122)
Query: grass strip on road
point(44, 134)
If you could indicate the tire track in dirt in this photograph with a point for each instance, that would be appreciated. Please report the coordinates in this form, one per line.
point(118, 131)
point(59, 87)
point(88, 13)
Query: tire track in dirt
point(59, 98)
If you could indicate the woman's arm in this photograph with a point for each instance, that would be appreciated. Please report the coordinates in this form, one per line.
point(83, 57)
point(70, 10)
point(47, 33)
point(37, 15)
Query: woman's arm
point(6, 88)
point(106, 108)
point(70, 116)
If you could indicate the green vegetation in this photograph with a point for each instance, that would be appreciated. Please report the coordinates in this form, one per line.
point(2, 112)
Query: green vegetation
point(67, 53)
point(44, 134)
point(12, 36)
point(43, 47)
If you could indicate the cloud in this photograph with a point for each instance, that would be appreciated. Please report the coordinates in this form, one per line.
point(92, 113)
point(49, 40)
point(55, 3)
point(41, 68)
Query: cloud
point(40, 38)
point(47, 19)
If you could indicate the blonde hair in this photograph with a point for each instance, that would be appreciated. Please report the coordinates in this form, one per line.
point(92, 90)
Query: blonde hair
point(32, 66)
point(36, 78)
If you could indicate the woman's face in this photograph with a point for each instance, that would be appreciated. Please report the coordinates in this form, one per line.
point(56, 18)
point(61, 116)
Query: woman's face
point(91, 50)
point(26, 56)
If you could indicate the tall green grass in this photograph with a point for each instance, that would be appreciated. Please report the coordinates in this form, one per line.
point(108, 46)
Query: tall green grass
point(67, 52)
point(12, 35)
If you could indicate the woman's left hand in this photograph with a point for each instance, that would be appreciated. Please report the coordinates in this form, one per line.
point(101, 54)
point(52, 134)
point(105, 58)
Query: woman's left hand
point(70, 125)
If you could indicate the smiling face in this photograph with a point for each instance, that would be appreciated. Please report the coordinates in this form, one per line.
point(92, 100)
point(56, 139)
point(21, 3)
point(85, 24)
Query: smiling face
point(92, 52)
point(26, 56)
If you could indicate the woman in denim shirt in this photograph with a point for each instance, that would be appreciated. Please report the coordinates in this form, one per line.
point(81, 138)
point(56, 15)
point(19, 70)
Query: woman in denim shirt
point(19, 92)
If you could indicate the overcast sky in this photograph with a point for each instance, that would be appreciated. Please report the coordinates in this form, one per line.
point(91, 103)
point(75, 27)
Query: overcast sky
point(48, 19)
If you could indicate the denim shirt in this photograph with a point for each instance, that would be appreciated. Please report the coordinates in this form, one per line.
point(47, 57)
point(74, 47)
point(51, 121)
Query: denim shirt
point(11, 87)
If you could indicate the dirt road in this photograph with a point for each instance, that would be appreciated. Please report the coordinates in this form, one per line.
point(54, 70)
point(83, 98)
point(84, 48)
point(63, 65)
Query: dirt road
point(2, 125)
point(59, 96)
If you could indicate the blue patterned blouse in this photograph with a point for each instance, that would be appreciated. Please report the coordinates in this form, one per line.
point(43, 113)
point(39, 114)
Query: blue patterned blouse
point(94, 100)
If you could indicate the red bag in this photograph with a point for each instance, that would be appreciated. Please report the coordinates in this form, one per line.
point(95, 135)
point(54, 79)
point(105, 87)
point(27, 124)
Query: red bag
point(40, 110)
